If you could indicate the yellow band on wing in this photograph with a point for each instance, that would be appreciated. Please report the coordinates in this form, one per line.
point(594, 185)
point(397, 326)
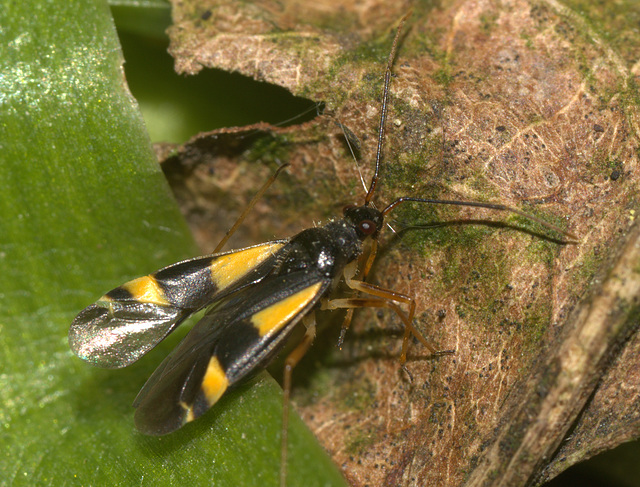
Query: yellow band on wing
point(146, 290)
point(277, 315)
point(228, 268)
point(214, 382)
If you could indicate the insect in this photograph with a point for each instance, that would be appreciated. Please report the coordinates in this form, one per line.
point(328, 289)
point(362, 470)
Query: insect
point(255, 297)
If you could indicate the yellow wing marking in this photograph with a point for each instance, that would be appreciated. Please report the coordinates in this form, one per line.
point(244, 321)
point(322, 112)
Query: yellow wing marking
point(146, 290)
point(189, 416)
point(228, 268)
point(215, 381)
point(214, 384)
point(274, 317)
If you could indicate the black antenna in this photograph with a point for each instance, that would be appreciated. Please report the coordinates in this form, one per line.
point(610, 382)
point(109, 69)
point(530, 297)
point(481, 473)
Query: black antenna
point(478, 204)
point(376, 174)
point(383, 110)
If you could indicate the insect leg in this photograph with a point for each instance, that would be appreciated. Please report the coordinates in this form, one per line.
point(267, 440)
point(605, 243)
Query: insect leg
point(349, 273)
point(345, 326)
point(385, 298)
point(292, 360)
point(373, 250)
point(386, 303)
point(394, 297)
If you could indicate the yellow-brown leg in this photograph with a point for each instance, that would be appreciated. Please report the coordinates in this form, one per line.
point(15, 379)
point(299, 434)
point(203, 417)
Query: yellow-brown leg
point(292, 360)
point(350, 272)
point(373, 250)
point(385, 303)
point(345, 326)
point(384, 298)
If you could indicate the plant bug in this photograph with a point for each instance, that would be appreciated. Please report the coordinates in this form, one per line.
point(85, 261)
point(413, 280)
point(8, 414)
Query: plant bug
point(255, 297)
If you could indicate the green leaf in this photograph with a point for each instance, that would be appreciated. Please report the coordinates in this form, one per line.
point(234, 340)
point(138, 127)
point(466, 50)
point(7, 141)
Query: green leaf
point(85, 207)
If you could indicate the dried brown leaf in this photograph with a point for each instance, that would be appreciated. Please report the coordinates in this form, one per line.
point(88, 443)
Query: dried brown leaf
point(518, 102)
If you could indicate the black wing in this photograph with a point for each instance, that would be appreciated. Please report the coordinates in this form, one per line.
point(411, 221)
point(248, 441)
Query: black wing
point(131, 319)
point(236, 337)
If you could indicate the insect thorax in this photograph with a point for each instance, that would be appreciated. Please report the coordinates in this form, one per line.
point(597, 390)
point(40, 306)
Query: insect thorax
point(325, 250)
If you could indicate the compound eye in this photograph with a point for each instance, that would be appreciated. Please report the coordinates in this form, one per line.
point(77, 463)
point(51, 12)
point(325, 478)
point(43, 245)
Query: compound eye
point(367, 227)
